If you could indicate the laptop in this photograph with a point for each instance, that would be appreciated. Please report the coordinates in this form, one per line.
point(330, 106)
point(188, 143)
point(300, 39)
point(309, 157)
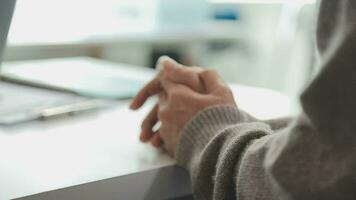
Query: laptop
point(27, 90)
point(6, 12)
point(97, 81)
point(20, 103)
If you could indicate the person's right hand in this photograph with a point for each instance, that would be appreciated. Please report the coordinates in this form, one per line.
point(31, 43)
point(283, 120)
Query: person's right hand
point(183, 93)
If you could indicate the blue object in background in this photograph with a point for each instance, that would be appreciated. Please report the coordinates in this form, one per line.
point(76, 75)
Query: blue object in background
point(226, 14)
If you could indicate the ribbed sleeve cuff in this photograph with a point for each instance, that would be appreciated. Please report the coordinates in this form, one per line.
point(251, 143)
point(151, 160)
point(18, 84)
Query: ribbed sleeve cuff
point(202, 128)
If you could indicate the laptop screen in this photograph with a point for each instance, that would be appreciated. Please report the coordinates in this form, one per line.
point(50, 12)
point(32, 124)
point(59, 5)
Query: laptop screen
point(6, 11)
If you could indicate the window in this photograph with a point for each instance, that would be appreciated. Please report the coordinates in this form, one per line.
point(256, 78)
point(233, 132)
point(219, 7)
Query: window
point(43, 21)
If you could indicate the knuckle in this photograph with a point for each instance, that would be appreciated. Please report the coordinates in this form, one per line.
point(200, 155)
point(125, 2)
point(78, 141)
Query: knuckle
point(210, 71)
point(225, 90)
point(196, 69)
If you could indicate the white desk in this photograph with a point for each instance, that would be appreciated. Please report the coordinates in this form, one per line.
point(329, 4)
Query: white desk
point(43, 156)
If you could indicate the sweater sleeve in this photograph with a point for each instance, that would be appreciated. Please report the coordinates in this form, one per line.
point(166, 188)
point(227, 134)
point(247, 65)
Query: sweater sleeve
point(231, 156)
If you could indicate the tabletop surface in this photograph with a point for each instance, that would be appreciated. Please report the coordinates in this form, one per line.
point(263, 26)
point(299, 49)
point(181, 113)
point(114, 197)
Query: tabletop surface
point(46, 155)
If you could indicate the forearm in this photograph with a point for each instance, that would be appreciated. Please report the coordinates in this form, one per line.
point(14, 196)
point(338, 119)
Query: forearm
point(229, 157)
point(211, 147)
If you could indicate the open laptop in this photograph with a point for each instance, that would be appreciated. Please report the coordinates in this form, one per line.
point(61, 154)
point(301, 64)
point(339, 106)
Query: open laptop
point(6, 12)
point(85, 79)
point(61, 83)
point(20, 103)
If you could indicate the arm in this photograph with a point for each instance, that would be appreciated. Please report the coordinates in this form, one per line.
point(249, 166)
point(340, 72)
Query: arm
point(211, 148)
point(312, 158)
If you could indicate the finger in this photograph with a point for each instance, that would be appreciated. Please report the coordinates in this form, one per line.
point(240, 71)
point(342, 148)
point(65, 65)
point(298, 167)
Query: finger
point(178, 96)
point(175, 88)
point(156, 140)
point(211, 80)
point(152, 88)
point(179, 73)
point(165, 62)
point(186, 76)
point(148, 123)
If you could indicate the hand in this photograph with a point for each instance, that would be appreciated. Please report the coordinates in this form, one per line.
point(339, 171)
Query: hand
point(183, 93)
point(169, 69)
point(175, 72)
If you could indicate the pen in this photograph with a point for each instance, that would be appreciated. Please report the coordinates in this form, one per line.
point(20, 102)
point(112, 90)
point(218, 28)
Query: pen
point(71, 109)
point(54, 111)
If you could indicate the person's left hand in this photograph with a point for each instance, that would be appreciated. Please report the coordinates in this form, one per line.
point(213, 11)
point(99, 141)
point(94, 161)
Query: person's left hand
point(183, 93)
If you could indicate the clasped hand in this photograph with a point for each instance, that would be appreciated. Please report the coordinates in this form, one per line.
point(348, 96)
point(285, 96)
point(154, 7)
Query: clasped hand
point(183, 92)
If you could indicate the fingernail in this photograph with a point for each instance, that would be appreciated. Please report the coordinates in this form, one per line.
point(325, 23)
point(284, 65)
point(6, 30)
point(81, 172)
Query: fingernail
point(162, 59)
point(159, 66)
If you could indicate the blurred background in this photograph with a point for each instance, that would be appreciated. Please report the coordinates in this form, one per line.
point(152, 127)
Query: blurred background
point(265, 43)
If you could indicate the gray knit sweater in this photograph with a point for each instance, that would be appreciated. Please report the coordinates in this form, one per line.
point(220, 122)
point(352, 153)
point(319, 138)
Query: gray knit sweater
point(231, 155)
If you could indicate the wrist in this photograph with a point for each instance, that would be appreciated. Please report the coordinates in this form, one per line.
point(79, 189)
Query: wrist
point(202, 128)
